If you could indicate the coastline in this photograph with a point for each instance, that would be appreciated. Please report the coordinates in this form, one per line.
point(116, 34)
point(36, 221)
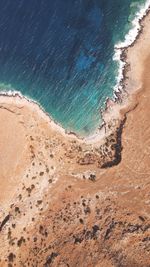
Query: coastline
point(16, 95)
point(72, 202)
point(124, 96)
point(129, 40)
point(119, 90)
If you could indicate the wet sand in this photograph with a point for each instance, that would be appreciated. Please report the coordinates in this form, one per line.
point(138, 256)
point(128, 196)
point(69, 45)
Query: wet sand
point(71, 202)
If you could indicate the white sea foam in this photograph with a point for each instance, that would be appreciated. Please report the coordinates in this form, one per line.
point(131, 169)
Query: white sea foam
point(118, 48)
point(129, 39)
point(13, 93)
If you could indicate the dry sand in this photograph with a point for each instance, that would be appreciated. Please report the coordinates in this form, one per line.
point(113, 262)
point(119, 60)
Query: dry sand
point(69, 202)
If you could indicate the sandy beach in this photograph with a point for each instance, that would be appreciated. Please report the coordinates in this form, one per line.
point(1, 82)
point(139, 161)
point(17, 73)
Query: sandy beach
point(78, 202)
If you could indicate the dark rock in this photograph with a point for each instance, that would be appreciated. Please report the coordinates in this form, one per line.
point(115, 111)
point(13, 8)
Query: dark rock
point(11, 257)
point(50, 259)
point(6, 219)
point(92, 177)
point(141, 218)
point(87, 210)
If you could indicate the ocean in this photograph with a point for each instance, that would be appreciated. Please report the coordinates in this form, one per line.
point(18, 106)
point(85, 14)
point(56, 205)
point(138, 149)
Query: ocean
point(61, 54)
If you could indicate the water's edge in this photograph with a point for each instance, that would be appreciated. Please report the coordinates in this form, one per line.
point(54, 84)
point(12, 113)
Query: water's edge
point(119, 50)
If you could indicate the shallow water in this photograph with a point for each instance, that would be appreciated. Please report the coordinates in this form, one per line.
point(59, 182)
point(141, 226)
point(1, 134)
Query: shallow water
point(60, 53)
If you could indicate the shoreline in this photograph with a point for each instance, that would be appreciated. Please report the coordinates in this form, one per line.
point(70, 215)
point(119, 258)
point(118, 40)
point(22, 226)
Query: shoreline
point(18, 95)
point(129, 40)
point(61, 195)
point(119, 101)
point(122, 97)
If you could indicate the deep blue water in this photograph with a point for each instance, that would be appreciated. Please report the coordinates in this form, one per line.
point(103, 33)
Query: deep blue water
point(60, 54)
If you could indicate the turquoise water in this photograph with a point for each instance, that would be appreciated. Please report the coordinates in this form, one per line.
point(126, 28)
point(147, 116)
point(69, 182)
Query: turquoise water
point(60, 53)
